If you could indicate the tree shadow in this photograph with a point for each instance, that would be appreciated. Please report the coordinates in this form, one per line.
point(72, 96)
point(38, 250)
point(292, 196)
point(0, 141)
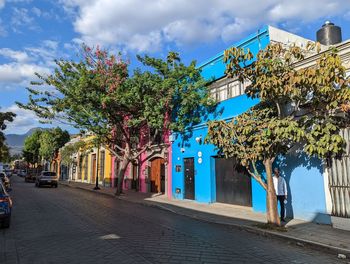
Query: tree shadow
point(288, 163)
point(205, 115)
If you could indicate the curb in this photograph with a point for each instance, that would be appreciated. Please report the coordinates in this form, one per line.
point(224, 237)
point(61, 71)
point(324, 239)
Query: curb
point(258, 231)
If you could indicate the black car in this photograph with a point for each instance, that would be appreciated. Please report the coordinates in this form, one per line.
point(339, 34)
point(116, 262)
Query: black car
point(5, 207)
point(30, 177)
point(47, 178)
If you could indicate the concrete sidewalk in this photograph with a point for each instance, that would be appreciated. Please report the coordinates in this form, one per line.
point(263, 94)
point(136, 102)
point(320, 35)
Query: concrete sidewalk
point(300, 232)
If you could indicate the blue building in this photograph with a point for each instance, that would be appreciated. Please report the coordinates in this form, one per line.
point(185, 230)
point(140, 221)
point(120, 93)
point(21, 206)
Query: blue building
point(198, 174)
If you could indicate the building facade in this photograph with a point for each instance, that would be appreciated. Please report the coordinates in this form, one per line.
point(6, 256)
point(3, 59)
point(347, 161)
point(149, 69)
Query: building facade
point(198, 174)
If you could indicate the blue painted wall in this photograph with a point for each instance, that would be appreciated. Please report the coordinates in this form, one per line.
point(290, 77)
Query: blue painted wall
point(305, 183)
point(306, 198)
point(214, 68)
point(204, 172)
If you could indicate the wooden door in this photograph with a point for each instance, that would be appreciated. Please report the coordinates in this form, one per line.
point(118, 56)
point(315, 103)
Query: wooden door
point(93, 168)
point(157, 165)
point(189, 178)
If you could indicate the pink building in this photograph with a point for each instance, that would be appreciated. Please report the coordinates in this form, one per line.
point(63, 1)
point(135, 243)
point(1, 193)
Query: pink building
point(152, 171)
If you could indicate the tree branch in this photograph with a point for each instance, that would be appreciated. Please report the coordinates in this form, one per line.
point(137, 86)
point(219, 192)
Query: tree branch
point(258, 179)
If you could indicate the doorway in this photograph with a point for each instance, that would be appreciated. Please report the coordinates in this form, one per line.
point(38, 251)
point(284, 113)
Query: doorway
point(93, 172)
point(189, 178)
point(157, 175)
point(233, 183)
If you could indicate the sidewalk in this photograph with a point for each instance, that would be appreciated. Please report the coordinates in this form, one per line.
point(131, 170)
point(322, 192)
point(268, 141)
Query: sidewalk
point(300, 232)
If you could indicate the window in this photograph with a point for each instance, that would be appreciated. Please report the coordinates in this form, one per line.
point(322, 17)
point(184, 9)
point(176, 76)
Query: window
point(225, 89)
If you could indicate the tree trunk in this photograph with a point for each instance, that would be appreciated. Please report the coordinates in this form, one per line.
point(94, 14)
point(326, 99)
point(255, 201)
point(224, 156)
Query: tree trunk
point(122, 168)
point(121, 174)
point(271, 199)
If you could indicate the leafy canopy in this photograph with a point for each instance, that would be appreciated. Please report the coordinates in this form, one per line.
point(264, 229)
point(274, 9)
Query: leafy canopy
point(51, 141)
point(98, 95)
point(298, 105)
point(44, 144)
point(31, 147)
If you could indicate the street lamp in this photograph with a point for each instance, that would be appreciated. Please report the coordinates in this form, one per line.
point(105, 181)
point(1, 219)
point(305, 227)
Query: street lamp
point(97, 164)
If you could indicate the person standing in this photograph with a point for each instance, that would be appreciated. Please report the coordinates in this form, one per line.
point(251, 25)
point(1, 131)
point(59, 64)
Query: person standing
point(281, 190)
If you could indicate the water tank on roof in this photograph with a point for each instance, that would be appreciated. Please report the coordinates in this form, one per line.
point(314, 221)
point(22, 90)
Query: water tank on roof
point(329, 34)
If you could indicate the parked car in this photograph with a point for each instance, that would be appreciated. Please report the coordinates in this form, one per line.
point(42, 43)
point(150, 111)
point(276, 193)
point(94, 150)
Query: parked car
point(47, 178)
point(8, 172)
point(22, 173)
point(5, 207)
point(5, 180)
point(30, 177)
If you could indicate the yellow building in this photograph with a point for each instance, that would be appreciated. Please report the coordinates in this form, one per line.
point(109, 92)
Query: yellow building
point(90, 162)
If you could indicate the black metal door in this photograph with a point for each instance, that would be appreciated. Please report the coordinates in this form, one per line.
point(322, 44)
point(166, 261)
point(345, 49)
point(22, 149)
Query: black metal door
point(233, 183)
point(189, 178)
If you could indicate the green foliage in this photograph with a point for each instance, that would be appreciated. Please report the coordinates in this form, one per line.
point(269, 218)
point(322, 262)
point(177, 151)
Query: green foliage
point(69, 150)
point(44, 144)
point(298, 105)
point(51, 141)
point(98, 95)
point(31, 148)
point(4, 149)
point(255, 135)
point(5, 153)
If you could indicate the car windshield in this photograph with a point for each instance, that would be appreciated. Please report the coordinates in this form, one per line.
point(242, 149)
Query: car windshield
point(49, 174)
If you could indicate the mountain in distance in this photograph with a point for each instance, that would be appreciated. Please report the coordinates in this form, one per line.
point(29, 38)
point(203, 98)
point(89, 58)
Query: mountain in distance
point(16, 142)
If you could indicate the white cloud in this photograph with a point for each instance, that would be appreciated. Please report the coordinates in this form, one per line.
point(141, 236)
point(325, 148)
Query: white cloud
point(23, 65)
point(21, 17)
point(23, 121)
point(148, 25)
point(18, 56)
point(37, 11)
point(20, 72)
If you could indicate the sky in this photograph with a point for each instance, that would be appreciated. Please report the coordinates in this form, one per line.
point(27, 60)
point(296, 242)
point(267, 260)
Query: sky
point(34, 33)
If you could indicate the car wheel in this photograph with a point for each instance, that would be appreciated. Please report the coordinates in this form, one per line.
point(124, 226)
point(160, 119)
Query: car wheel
point(6, 222)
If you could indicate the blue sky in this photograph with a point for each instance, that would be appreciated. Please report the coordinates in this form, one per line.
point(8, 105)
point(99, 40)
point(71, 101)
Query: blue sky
point(34, 33)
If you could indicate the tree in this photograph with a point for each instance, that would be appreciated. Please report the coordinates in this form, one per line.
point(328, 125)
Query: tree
point(31, 148)
point(67, 151)
point(4, 149)
point(51, 141)
point(44, 144)
point(126, 113)
point(5, 153)
point(305, 106)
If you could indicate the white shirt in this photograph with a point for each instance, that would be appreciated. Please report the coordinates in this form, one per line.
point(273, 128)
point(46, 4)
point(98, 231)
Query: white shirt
point(280, 185)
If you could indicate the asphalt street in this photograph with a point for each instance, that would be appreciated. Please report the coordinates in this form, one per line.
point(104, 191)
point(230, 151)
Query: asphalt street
point(67, 225)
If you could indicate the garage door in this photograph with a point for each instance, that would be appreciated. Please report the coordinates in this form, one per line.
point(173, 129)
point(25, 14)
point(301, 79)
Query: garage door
point(233, 183)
